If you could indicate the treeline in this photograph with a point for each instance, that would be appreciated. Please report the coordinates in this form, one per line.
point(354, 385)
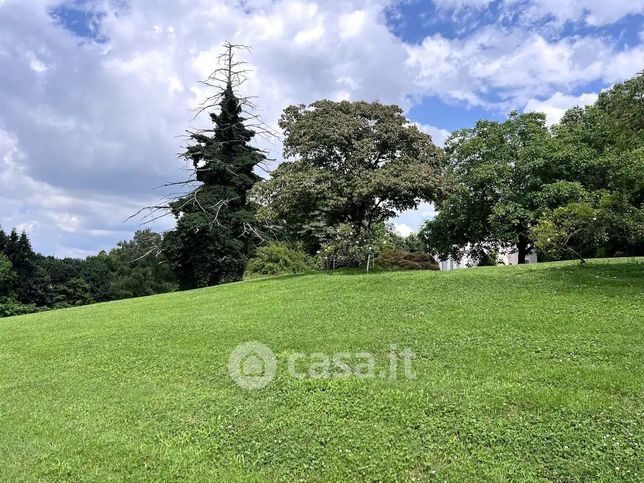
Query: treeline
point(30, 281)
point(572, 190)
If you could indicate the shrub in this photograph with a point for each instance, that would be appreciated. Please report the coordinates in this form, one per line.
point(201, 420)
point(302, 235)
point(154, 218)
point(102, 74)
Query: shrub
point(344, 248)
point(401, 260)
point(277, 259)
point(10, 307)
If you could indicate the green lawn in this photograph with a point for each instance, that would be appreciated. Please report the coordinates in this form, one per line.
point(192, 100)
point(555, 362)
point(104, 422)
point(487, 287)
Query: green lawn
point(523, 373)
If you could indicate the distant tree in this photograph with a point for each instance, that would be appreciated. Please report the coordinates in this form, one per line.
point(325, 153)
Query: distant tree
point(353, 164)
point(18, 250)
point(214, 234)
point(7, 277)
point(59, 270)
point(11, 249)
point(410, 243)
point(98, 271)
point(33, 285)
point(3, 240)
point(140, 267)
point(73, 292)
point(36, 287)
point(58, 283)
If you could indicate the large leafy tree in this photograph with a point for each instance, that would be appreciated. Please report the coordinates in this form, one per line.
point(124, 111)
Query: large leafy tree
point(213, 236)
point(496, 168)
point(600, 149)
point(351, 163)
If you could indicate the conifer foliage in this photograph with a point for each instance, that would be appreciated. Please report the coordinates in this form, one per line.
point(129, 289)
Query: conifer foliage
point(214, 234)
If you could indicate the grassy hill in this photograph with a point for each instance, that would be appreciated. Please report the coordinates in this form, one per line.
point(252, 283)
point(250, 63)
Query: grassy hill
point(531, 372)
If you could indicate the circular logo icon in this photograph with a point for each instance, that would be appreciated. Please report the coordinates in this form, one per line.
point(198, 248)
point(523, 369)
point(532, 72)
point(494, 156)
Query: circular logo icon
point(252, 365)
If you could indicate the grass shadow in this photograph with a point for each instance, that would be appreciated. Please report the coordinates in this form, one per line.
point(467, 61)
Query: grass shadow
point(617, 272)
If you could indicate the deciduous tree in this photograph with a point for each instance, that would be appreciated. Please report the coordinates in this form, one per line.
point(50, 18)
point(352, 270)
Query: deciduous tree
point(496, 169)
point(353, 163)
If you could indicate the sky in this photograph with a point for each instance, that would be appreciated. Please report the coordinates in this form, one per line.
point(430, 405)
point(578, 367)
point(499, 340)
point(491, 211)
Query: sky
point(96, 95)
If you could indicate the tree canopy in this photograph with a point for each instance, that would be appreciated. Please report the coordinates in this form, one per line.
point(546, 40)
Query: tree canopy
point(496, 169)
point(574, 190)
point(350, 163)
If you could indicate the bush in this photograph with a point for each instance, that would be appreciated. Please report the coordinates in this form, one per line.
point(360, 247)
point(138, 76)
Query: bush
point(10, 307)
point(345, 248)
point(277, 259)
point(401, 260)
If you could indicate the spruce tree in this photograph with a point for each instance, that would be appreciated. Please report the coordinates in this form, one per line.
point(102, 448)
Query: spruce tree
point(24, 247)
point(32, 281)
point(213, 236)
point(11, 247)
point(3, 240)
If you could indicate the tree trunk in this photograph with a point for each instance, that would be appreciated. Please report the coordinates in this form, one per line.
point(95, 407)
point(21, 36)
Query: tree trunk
point(522, 247)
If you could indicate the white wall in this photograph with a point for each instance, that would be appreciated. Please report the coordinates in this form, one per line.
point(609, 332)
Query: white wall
point(506, 257)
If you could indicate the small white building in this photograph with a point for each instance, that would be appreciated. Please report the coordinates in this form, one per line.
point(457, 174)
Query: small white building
point(505, 257)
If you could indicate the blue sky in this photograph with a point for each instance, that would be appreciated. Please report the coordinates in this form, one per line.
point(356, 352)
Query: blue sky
point(97, 93)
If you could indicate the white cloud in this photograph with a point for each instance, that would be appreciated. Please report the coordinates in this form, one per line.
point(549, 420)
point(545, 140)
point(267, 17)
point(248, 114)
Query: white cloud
point(29, 227)
point(68, 222)
point(37, 66)
point(459, 4)
point(351, 24)
point(624, 64)
point(556, 106)
point(439, 135)
point(591, 12)
point(414, 219)
point(314, 34)
point(55, 218)
point(402, 229)
point(516, 65)
point(556, 12)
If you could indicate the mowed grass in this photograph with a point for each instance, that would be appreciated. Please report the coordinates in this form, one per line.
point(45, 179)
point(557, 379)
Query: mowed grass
point(522, 373)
